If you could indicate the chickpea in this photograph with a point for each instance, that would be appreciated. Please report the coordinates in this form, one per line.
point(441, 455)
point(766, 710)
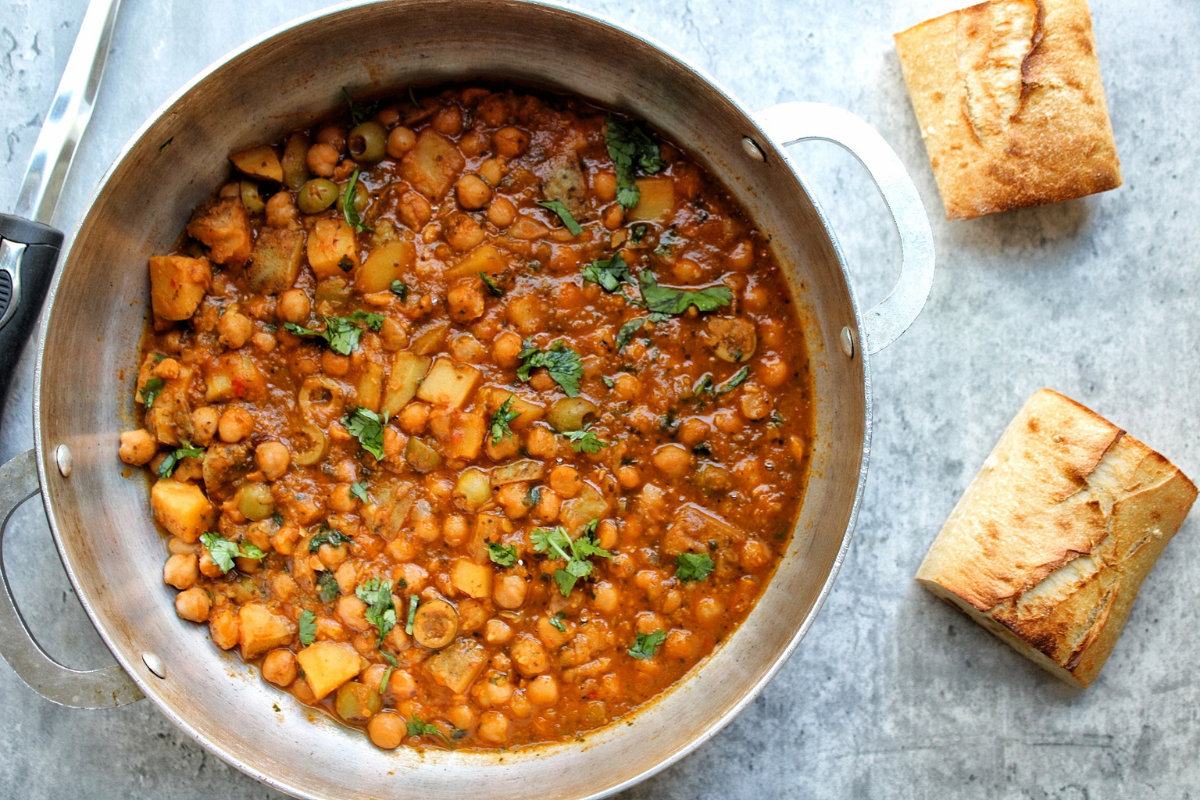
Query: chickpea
point(608, 598)
point(293, 306)
point(672, 460)
point(263, 341)
point(493, 727)
point(613, 217)
point(680, 644)
point(193, 605)
point(506, 349)
point(629, 477)
point(461, 717)
point(182, 570)
point(501, 212)
point(463, 232)
point(137, 447)
point(548, 506)
point(448, 121)
point(693, 430)
point(727, 421)
point(322, 159)
point(387, 730)
point(413, 418)
point(335, 364)
point(541, 443)
point(332, 557)
point(686, 270)
point(167, 369)
point(465, 299)
point(510, 142)
point(279, 667)
point(754, 403)
point(529, 656)
point(341, 500)
point(756, 298)
point(772, 371)
point(334, 136)
point(740, 256)
point(709, 610)
point(352, 612)
point(402, 685)
point(455, 529)
point(509, 592)
point(473, 144)
point(473, 194)
point(302, 691)
point(494, 690)
point(415, 210)
point(492, 170)
point(542, 690)
point(282, 211)
point(565, 480)
point(755, 554)
point(400, 141)
point(497, 631)
point(604, 184)
point(392, 335)
point(273, 459)
point(626, 386)
point(234, 329)
point(235, 424)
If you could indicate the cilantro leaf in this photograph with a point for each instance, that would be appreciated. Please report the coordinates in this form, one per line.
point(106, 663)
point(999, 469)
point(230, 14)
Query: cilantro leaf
point(737, 380)
point(223, 552)
point(328, 536)
point(151, 390)
point(349, 209)
point(646, 644)
point(329, 587)
point(501, 421)
point(563, 364)
point(610, 273)
point(628, 331)
point(308, 627)
point(557, 622)
point(341, 334)
point(555, 543)
point(418, 728)
point(637, 233)
point(359, 490)
point(400, 289)
point(632, 151)
point(413, 602)
point(367, 427)
point(381, 611)
point(585, 441)
point(167, 467)
point(371, 320)
point(504, 555)
point(496, 289)
point(558, 208)
point(693, 567)
point(609, 382)
point(359, 113)
point(664, 300)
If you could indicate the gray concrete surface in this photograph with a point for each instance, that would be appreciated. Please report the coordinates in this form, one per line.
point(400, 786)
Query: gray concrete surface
point(892, 694)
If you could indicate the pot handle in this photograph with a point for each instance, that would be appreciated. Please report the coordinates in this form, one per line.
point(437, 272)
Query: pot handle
point(788, 123)
point(97, 688)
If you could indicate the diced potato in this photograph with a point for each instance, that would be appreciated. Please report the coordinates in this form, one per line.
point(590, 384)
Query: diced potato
point(459, 434)
point(233, 376)
point(259, 162)
point(582, 509)
point(527, 412)
point(473, 580)
point(169, 419)
point(276, 260)
point(457, 666)
point(327, 665)
point(225, 228)
point(432, 165)
point(488, 528)
point(332, 248)
point(177, 285)
point(484, 258)
point(448, 384)
point(407, 371)
point(261, 630)
point(657, 201)
point(385, 264)
point(370, 386)
point(182, 509)
point(518, 472)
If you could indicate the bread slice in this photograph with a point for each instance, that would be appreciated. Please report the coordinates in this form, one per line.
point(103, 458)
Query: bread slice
point(1010, 103)
point(1050, 542)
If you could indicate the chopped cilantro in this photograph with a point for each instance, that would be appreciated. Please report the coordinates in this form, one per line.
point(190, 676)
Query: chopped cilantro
point(667, 242)
point(371, 320)
point(628, 331)
point(151, 389)
point(365, 425)
point(607, 381)
point(223, 551)
point(308, 627)
point(664, 301)
point(328, 536)
point(637, 233)
point(492, 286)
point(341, 334)
point(418, 728)
point(609, 273)
point(557, 544)
point(381, 611)
point(558, 208)
point(504, 555)
point(632, 151)
point(777, 419)
point(329, 587)
point(359, 113)
point(557, 621)
point(737, 380)
point(501, 420)
point(349, 210)
point(400, 289)
point(646, 644)
point(345, 264)
point(359, 490)
point(413, 602)
point(692, 567)
point(585, 441)
point(563, 364)
point(167, 467)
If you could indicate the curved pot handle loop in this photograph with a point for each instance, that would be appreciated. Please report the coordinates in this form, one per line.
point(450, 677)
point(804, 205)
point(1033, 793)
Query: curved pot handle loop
point(788, 123)
point(96, 688)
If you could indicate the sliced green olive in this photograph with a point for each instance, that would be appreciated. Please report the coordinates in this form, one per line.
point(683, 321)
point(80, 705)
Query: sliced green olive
point(317, 195)
point(362, 197)
point(570, 414)
point(367, 142)
point(251, 200)
point(295, 170)
point(255, 502)
point(357, 702)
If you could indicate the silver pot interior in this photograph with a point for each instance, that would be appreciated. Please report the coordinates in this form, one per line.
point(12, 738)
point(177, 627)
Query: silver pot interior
point(100, 515)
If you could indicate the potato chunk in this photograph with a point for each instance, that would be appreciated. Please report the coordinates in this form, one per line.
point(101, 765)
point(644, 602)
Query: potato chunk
point(457, 666)
point(259, 162)
point(484, 258)
point(225, 228)
point(432, 165)
point(385, 264)
point(332, 248)
point(459, 434)
point(327, 665)
point(276, 260)
point(407, 371)
point(182, 509)
point(177, 285)
point(233, 376)
point(473, 580)
point(448, 384)
point(657, 201)
point(260, 630)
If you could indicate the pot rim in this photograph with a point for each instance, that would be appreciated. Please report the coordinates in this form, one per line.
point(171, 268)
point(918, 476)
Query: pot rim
point(43, 451)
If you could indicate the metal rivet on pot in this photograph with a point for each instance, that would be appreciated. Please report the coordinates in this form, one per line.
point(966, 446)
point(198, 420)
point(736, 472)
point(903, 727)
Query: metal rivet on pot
point(848, 342)
point(154, 664)
point(62, 457)
point(752, 149)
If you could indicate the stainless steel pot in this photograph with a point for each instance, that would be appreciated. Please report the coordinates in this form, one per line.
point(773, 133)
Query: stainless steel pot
point(86, 359)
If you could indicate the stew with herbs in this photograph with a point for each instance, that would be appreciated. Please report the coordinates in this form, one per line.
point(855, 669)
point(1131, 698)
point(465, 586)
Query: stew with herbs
point(475, 419)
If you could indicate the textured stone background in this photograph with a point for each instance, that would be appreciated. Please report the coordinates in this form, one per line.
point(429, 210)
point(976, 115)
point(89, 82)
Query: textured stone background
point(892, 694)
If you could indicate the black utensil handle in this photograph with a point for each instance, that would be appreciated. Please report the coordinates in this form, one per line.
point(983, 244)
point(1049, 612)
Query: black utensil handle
point(28, 254)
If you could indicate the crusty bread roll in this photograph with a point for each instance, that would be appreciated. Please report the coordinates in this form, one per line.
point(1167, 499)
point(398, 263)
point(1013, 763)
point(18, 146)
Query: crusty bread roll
point(1050, 542)
point(1010, 104)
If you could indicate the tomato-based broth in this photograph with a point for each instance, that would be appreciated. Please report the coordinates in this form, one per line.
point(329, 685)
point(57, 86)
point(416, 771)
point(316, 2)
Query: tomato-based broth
point(476, 419)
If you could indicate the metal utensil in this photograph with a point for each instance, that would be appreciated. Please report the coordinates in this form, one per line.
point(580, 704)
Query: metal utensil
point(28, 244)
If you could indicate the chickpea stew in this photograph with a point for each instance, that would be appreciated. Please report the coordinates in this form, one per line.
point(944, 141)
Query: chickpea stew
point(475, 420)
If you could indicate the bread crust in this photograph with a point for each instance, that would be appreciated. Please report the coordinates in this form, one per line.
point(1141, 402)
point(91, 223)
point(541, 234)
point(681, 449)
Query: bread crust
point(1011, 106)
point(1050, 542)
